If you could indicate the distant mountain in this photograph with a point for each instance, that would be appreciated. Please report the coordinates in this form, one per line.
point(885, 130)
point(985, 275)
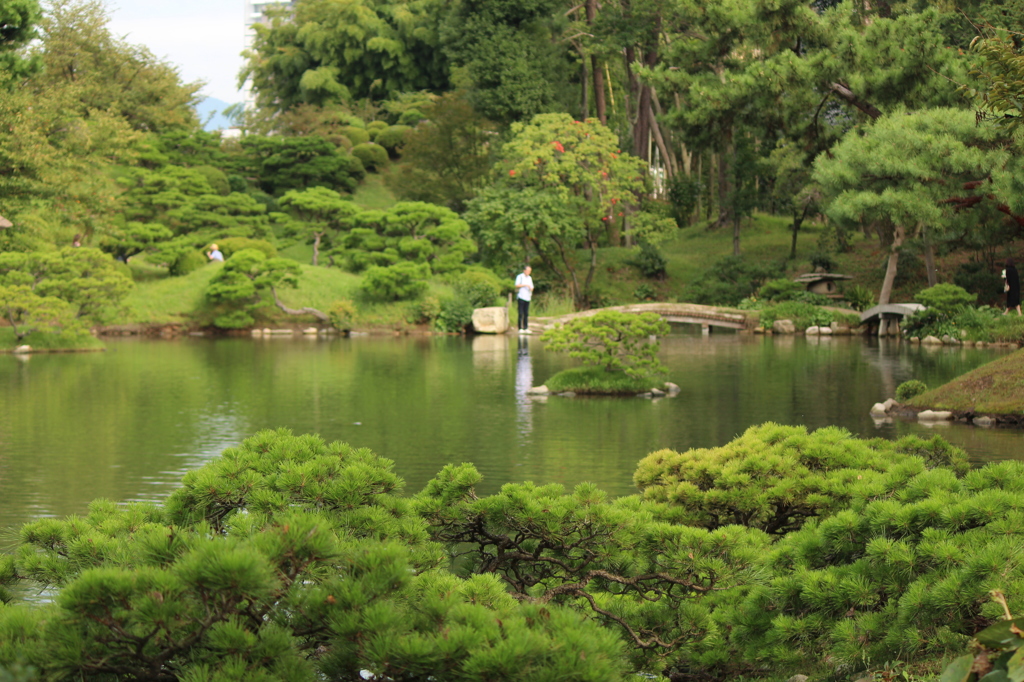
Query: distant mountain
point(211, 108)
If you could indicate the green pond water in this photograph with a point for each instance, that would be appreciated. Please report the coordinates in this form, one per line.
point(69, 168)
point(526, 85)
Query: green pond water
point(127, 423)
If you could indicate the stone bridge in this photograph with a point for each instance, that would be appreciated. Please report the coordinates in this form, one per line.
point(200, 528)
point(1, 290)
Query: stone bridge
point(682, 313)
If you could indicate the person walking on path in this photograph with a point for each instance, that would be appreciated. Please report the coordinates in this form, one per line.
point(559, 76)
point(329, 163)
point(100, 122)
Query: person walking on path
point(1011, 287)
point(524, 290)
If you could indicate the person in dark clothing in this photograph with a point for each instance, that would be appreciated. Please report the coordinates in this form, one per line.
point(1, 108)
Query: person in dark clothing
point(1011, 287)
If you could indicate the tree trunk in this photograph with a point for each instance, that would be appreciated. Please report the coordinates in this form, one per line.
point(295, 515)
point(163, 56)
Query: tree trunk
point(584, 88)
point(929, 258)
point(317, 236)
point(735, 235)
point(301, 311)
point(725, 198)
point(890, 269)
point(798, 220)
point(595, 68)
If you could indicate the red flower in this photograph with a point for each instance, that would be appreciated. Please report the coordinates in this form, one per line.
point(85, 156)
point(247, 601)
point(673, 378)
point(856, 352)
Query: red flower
point(620, 213)
point(614, 201)
point(558, 146)
point(512, 173)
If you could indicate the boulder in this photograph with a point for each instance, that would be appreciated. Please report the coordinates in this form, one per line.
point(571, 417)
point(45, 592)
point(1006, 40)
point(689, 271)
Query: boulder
point(812, 330)
point(538, 390)
point(878, 409)
point(310, 331)
point(915, 339)
point(825, 331)
point(984, 421)
point(931, 341)
point(673, 389)
point(783, 327)
point(493, 320)
point(23, 349)
point(889, 404)
point(934, 416)
point(657, 392)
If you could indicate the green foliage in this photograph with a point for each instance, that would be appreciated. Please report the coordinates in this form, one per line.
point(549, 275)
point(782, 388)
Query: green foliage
point(286, 163)
point(979, 277)
point(454, 314)
point(287, 559)
point(413, 232)
point(781, 289)
point(444, 160)
point(186, 261)
point(398, 282)
point(559, 187)
point(82, 283)
point(232, 245)
point(392, 138)
point(910, 389)
point(803, 315)
point(613, 341)
point(342, 315)
point(478, 286)
point(236, 290)
point(357, 135)
point(945, 297)
point(373, 156)
point(860, 298)
point(326, 53)
point(650, 261)
point(20, 18)
point(644, 292)
point(599, 381)
point(683, 193)
point(777, 477)
point(730, 280)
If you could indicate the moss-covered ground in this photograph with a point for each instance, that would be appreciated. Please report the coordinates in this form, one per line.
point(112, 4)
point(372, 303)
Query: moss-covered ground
point(995, 388)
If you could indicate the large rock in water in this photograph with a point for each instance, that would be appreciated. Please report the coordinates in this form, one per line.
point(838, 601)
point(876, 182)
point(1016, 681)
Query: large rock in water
point(492, 320)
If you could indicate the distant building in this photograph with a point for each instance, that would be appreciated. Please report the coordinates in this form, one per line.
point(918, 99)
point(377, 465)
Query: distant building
point(256, 13)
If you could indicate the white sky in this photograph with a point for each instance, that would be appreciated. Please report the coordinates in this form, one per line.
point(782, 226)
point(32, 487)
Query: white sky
point(203, 38)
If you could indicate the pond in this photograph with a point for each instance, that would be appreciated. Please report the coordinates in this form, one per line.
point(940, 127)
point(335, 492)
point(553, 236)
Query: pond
point(127, 423)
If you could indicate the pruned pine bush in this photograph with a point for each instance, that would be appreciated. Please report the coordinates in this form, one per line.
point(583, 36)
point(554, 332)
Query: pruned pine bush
point(356, 135)
point(291, 559)
point(231, 245)
point(776, 477)
point(399, 282)
point(612, 341)
point(373, 156)
point(286, 559)
point(392, 138)
point(910, 389)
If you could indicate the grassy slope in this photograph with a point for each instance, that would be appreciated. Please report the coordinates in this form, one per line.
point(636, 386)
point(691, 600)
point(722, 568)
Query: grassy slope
point(995, 388)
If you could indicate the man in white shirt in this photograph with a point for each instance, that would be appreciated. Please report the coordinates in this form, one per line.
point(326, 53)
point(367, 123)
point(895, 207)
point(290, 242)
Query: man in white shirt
point(524, 290)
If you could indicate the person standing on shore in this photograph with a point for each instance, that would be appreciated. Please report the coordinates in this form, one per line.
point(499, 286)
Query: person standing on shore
point(1012, 287)
point(524, 291)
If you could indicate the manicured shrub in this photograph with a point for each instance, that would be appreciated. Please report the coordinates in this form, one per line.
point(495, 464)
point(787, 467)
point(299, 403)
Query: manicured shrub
point(478, 286)
point(392, 138)
point(454, 315)
point(356, 136)
point(373, 156)
point(613, 341)
point(411, 117)
point(650, 262)
point(398, 282)
point(860, 298)
point(374, 128)
point(910, 389)
point(945, 297)
point(187, 261)
point(780, 289)
point(730, 280)
point(232, 245)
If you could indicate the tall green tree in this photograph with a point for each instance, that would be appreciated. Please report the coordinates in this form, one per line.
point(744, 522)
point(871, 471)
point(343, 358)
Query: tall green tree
point(561, 185)
point(337, 51)
point(319, 212)
point(18, 26)
point(926, 174)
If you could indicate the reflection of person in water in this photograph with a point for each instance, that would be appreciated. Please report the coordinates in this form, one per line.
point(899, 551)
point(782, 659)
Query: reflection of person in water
point(524, 382)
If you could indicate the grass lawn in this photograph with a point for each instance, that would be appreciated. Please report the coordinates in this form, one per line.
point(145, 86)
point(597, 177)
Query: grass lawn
point(995, 388)
point(372, 193)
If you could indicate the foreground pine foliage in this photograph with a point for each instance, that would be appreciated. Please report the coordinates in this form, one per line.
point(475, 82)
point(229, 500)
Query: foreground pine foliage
point(291, 559)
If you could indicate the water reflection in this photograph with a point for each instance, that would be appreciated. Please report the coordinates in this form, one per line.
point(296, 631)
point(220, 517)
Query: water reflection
point(524, 382)
point(126, 424)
